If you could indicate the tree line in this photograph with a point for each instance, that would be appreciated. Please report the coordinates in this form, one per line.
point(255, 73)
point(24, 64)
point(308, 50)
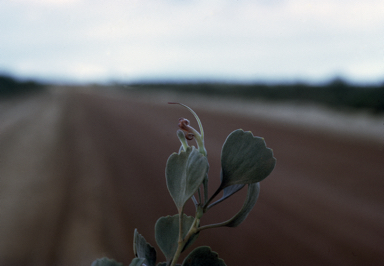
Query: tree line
point(336, 94)
point(10, 86)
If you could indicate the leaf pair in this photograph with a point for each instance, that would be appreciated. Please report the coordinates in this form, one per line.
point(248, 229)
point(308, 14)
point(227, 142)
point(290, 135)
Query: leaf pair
point(185, 172)
point(245, 160)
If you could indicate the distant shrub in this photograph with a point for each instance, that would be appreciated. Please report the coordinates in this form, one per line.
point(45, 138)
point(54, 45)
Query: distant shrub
point(10, 86)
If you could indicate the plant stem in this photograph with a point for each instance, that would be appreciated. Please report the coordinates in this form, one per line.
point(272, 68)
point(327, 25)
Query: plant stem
point(181, 224)
point(212, 226)
point(178, 252)
point(182, 241)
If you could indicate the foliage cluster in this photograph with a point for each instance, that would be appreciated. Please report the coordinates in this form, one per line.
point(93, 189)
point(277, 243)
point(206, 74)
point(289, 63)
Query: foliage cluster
point(245, 161)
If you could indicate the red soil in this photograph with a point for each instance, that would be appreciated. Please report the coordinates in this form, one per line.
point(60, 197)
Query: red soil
point(80, 171)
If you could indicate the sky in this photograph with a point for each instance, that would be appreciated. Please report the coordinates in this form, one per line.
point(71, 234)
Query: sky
point(218, 40)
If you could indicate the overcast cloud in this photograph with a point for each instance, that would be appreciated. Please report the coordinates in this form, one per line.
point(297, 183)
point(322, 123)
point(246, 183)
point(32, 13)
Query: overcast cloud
point(100, 40)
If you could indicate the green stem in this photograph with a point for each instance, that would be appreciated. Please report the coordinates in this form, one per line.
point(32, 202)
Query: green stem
point(181, 224)
point(192, 230)
point(209, 226)
point(177, 254)
point(182, 241)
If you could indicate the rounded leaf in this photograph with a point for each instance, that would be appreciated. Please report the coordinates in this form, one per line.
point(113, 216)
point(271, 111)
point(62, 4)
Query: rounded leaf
point(167, 233)
point(245, 159)
point(203, 256)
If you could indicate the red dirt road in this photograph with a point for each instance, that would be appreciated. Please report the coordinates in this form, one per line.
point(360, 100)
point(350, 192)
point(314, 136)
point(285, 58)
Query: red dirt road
point(79, 171)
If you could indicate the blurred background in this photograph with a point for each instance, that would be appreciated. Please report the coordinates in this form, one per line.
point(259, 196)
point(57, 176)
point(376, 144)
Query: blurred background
point(268, 49)
point(80, 80)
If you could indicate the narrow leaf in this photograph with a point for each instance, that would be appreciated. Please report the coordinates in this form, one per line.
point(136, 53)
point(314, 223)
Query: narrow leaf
point(203, 256)
point(227, 192)
point(143, 250)
point(245, 159)
point(106, 262)
point(250, 201)
point(185, 172)
point(167, 233)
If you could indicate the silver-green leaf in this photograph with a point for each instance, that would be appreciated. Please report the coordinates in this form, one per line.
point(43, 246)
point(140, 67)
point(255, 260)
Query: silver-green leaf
point(245, 159)
point(143, 250)
point(167, 233)
point(203, 256)
point(185, 172)
point(106, 262)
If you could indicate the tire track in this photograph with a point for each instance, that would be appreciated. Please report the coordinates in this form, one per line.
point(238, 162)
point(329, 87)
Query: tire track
point(29, 191)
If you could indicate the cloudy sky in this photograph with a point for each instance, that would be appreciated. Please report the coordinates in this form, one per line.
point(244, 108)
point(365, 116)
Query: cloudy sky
point(243, 40)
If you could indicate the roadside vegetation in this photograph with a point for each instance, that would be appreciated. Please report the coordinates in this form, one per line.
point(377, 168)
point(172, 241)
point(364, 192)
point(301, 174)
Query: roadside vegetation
point(335, 94)
point(10, 86)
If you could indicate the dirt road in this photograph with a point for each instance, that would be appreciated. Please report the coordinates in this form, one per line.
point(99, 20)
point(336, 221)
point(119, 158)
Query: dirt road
point(79, 171)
